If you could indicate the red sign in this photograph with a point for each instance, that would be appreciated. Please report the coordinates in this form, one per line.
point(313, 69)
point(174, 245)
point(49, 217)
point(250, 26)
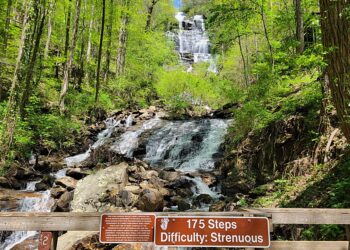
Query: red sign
point(45, 239)
point(212, 232)
point(127, 228)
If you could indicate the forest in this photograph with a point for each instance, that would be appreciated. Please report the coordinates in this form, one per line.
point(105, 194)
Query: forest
point(250, 98)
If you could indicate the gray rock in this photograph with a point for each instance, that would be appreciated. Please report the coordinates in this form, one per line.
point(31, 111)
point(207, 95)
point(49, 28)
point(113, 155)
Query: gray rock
point(151, 200)
point(41, 186)
point(20, 173)
point(204, 198)
point(64, 201)
point(5, 183)
point(57, 191)
point(76, 173)
point(127, 198)
point(133, 189)
point(147, 175)
point(67, 182)
point(94, 187)
point(183, 205)
point(169, 175)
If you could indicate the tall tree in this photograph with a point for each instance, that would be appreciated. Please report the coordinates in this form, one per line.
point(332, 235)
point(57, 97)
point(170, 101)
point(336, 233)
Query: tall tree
point(335, 25)
point(150, 9)
point(299, 26)
point(69, 64)
point(263, 20)
point(123, 38)
point(40, 17)
point(109, 39)
point(49, 29)
point(100, 50)
point(7, 23)
point(246, 80)
point(10, 118)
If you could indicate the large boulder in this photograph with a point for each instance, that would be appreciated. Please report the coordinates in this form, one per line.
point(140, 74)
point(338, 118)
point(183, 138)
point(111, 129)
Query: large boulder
point(20, 173)
point(5, 183)
point(57, 191)
point(63, 202)
point(67, 182)
point(151, 200)
point(69, 239)
point(203, 198)
point(127, 198)
point(169, 175)
point(45, 183)
point(76, 173)
point(90, 191)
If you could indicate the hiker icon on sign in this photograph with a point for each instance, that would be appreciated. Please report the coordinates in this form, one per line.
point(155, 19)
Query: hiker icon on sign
point(164, 223)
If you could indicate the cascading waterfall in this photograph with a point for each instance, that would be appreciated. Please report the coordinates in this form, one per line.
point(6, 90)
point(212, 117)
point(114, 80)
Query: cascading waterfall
point(111, 125)
point(192, 41)
point(129, 141)
point(188, 146)
point(29, 204)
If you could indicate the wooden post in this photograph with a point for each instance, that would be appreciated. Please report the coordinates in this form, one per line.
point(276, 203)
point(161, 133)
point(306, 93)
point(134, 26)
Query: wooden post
point(347, 232)
point(54, 240)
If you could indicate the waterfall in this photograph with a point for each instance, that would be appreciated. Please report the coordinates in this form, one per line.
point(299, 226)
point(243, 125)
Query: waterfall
point(192, 41)
point(29, 204)
point(129, 141)
point(111, 125)
point(188, 146)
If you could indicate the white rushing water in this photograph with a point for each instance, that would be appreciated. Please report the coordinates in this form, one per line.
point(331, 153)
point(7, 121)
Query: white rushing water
point(202, 188)
point(193, 42)
point(111, 125)
point(43, 203)
point(188, 146)
point(129, 141)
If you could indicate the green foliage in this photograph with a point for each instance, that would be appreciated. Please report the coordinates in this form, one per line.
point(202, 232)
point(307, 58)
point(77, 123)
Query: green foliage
point(266, 103)
point(180, 90)
point(149, 54)
point(42, 130)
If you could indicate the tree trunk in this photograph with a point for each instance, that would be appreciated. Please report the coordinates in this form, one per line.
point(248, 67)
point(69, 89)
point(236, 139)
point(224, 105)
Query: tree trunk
point(49, 31)
point(10, 118)
point(256, 53)
point(7, 23)
point(299, 26)
point(66, 45)
point(89, 45)
point(109, 41)
point(100, 51)
point(150, 9)
point(81, 70)
point(41, 16)
point(69, 64)
point(262, 14)
point(88, 51)
point(335, 25)
point(243, 60)
point(123, 37)
point(81, 67)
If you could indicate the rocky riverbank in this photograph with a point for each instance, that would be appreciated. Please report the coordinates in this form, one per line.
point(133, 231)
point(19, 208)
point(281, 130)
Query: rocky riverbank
point(136, 161)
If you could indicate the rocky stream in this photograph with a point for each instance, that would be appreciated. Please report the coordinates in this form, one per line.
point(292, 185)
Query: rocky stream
point(138, 161)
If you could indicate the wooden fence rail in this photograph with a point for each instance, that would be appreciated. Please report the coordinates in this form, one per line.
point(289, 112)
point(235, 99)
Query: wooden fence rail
point(53, 222)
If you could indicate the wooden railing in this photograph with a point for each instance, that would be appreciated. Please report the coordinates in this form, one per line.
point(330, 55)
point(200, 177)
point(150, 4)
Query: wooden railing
point(55, 222)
